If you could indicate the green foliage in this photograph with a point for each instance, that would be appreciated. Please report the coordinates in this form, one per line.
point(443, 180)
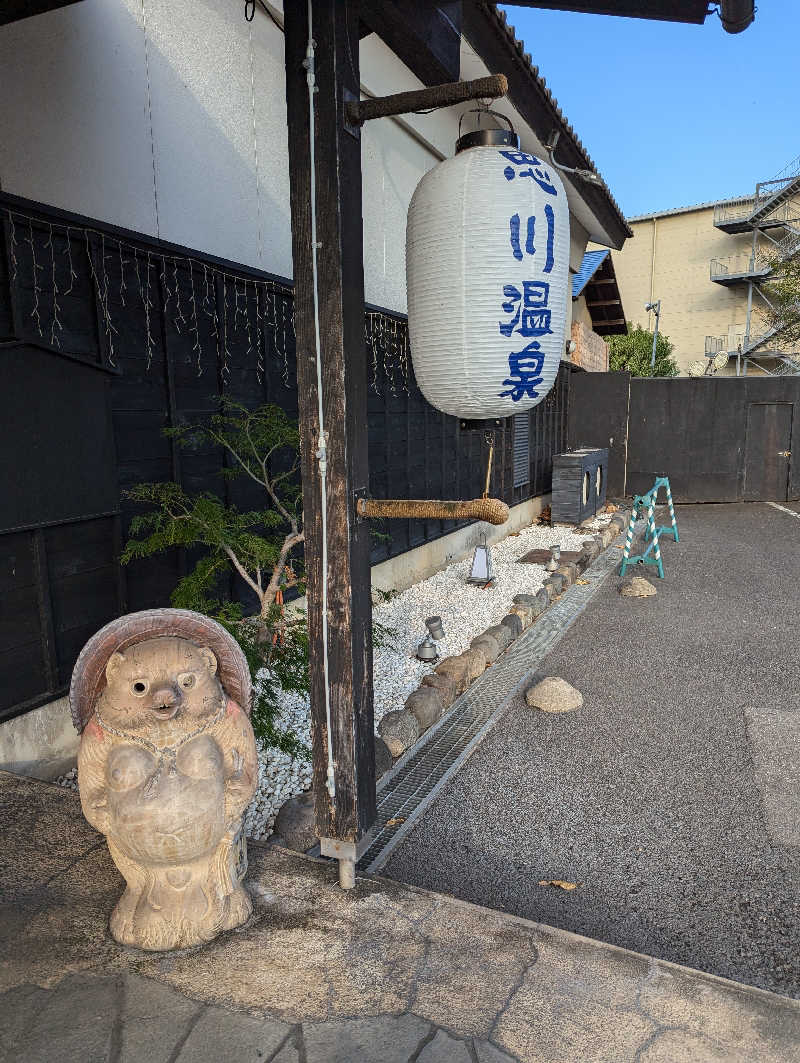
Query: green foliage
point(256, 545)
point(632, 353)
point(783, 291)
point(277, 655)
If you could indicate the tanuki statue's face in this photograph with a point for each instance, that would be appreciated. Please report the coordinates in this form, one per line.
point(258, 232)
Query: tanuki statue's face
point(161, 685)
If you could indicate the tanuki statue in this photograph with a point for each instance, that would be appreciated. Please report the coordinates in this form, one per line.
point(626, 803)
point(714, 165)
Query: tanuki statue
point(166, 768)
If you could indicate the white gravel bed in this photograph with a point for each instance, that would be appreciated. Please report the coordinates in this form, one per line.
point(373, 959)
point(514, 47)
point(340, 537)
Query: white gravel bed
point(466, 611)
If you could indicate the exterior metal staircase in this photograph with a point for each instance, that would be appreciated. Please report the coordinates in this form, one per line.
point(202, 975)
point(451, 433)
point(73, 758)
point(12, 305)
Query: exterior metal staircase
point(775, 205)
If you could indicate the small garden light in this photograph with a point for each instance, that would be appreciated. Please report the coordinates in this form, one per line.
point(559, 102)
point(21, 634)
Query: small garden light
point(426, 651)
point(481, 570)
point(434, 626)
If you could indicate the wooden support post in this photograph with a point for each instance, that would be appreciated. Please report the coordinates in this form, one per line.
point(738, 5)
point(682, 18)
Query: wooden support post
point(346, 817)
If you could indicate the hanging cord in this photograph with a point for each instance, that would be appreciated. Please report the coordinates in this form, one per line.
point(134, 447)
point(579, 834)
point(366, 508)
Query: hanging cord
point(322, 447)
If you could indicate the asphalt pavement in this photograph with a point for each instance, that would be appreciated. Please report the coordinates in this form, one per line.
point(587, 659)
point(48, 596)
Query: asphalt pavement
point(671, 797)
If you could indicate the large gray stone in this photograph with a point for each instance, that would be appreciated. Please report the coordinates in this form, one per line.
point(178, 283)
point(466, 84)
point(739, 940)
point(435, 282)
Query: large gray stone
point(444, 1049)
point(637, 587)
point(220, 1035)
point(295, 822)
point(383, 1039)
point(488, 645)
point(513, 623)
point(554, 695)
point(503, 635)
point(399, 729)
point(426, 705)
point(444, 685)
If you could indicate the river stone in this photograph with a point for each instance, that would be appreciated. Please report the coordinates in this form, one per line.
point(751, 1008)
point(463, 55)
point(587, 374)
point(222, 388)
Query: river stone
point(608, 535)
point(637, 587)
point(383, 758)
point(525, 599)
point(488, 645)
point(444, 685)
point(554, 695)
point(459, 671)
point(513, 623)
point(476, 661)
point(502, 634)
point(544, 600)
point(426, 705)
point(591, 548)
point(569, 571)
point(295, 822)
point(554, 585)
point(399, 730)
point(524, 612)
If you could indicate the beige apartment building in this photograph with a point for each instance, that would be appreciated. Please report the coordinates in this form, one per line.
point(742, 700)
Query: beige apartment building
point(707, 264)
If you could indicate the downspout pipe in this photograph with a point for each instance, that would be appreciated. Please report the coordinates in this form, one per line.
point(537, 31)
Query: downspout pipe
point(736, 15)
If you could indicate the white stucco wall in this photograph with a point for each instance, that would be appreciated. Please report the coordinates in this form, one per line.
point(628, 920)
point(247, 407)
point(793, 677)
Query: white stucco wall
point(168, 117)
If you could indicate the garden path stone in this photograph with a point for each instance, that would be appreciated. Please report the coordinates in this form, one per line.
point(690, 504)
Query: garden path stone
point(383, 1039)
point(444, 1049)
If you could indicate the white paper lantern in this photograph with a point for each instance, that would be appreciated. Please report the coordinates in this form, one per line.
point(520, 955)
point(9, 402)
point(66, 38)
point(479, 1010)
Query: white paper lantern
point(487, 264)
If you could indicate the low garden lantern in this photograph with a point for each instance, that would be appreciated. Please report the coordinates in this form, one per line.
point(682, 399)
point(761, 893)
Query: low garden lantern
point(481, 570)
point(487, 261)
point(434, 626)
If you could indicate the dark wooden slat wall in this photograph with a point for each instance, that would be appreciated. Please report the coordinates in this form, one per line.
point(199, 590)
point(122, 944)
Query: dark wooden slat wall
point(101, 396)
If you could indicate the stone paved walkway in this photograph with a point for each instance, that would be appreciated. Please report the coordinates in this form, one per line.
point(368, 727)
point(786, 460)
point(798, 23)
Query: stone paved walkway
point(385, 973)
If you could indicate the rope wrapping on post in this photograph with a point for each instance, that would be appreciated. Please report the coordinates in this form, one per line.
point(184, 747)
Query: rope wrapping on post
point(492, 510)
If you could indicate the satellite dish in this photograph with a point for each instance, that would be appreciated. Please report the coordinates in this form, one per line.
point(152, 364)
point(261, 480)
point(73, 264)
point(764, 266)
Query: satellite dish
point(720, 360)
point(696, 369)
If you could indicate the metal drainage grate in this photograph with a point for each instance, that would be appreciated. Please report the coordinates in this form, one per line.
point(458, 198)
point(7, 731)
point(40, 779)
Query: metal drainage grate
point(411, 786)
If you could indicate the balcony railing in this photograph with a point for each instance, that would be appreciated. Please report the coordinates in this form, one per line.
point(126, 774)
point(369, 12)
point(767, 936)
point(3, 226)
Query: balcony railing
point(744, 265)
point(736, 210)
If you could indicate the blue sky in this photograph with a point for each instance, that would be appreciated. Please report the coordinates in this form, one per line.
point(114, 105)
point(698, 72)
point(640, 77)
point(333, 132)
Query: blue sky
point(674, 114)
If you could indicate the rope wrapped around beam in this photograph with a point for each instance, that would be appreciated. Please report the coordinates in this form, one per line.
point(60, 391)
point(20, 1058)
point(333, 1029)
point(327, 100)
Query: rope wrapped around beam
point(492, 510)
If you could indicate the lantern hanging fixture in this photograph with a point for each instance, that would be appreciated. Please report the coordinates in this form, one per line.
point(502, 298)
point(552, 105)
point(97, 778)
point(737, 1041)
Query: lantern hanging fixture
point(487, 261)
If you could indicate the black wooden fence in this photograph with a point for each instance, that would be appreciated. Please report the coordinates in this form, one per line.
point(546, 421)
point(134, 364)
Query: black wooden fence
point(107, 338)
point(719, 439)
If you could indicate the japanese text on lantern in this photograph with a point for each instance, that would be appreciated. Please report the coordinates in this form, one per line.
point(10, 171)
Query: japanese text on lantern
point(525, 305)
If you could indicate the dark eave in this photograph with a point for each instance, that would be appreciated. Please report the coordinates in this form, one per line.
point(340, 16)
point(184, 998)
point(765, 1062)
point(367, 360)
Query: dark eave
point(14, 10)
point(604, 302)
point(487, 31)
point(736, 15)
